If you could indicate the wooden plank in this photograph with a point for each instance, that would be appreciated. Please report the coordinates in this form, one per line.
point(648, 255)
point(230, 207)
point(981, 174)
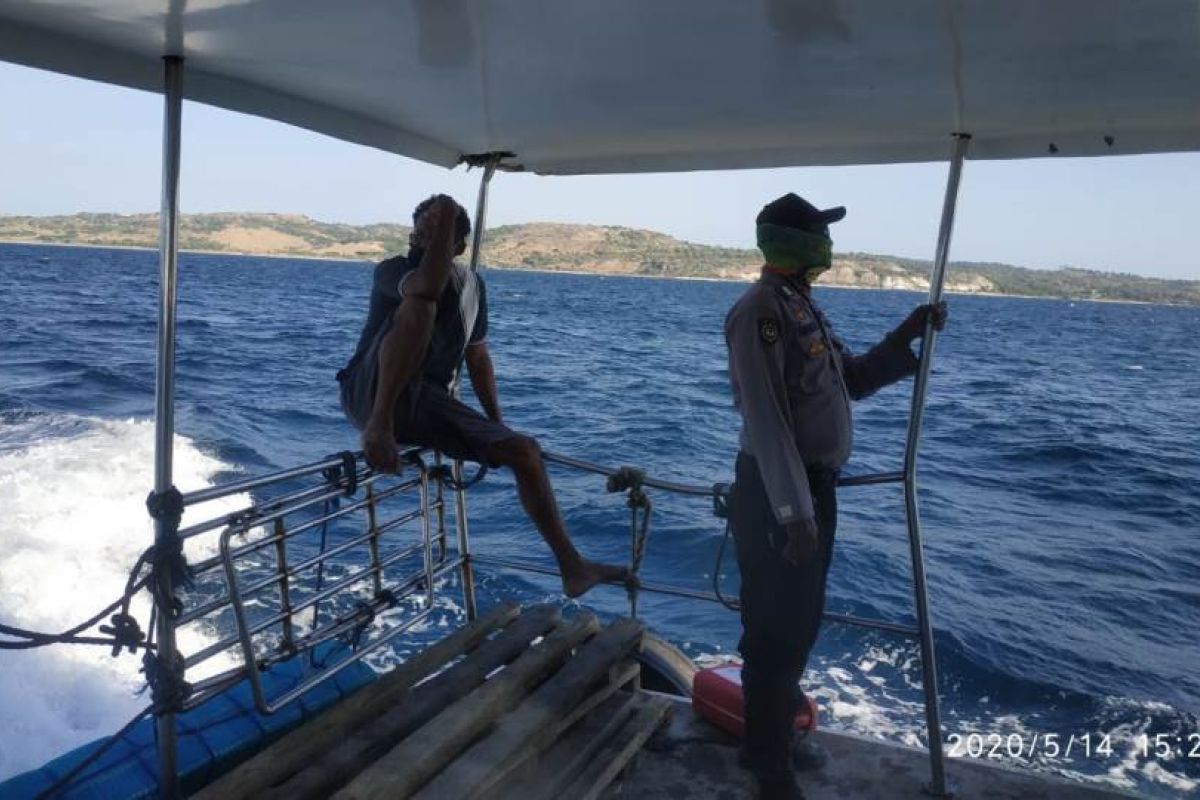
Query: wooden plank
point(623, 673)
point(619, 750)
point(290, 753)
point(332, 769)
point(567, 765)
point(410, 764)
point(532, 726)
point(544, 777)
point(570, 736)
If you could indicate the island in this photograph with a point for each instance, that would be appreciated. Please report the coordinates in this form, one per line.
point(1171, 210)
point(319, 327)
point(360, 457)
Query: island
point(599, 249)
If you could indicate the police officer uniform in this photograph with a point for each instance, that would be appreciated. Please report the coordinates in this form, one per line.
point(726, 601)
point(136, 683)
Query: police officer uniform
point(793, 380)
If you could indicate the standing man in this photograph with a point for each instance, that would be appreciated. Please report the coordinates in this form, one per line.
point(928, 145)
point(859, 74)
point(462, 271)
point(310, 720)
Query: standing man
point(793, 380)
point(427, 314)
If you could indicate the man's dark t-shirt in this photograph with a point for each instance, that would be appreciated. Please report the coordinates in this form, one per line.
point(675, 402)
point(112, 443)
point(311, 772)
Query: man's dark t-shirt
point(461, 319)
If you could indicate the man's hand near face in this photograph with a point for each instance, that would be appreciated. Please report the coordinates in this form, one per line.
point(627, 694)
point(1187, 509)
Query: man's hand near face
point(403, 349)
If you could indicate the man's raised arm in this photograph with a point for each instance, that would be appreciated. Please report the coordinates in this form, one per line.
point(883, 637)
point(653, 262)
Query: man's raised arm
point(403, 349)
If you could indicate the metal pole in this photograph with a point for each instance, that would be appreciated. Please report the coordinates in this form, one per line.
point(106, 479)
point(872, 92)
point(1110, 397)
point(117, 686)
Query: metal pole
point(481, 201)
point(426, 543)
point(460, 495)
point(937, 786)
point(164, 396)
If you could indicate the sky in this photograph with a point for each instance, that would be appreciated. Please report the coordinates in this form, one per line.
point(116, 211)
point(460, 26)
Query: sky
point(69, 145)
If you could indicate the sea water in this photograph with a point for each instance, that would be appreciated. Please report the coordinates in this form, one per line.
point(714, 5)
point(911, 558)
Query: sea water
point(1059, 485)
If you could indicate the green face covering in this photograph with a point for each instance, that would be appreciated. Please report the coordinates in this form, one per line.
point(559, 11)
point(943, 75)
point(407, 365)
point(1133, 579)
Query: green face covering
point(794, 249)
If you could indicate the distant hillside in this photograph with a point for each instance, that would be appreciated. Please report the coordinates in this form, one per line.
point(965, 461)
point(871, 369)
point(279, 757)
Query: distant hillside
point(579, 248)
point(256, 234)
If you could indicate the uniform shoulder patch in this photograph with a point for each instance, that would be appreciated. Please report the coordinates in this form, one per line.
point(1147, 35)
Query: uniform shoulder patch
point(768, 329)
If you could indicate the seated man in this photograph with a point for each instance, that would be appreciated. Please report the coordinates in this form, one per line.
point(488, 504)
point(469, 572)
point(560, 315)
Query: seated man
point(426, 314)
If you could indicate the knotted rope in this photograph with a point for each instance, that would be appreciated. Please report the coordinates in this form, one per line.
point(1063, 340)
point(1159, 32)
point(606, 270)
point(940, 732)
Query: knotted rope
point(630, 480)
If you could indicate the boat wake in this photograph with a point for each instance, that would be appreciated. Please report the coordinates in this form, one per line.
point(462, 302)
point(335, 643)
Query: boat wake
point(74, 491)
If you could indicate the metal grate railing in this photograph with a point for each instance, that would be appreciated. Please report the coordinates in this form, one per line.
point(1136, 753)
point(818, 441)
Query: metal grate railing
point(320, 552)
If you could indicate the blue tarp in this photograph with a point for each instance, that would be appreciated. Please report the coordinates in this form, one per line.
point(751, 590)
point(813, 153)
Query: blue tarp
point(213, 738)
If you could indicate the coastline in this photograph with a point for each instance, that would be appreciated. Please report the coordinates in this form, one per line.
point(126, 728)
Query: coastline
point(844, 286)
point(188, 250)
point(699, 278)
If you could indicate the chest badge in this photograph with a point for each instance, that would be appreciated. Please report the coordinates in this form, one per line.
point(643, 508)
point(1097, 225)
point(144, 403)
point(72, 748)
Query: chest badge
point(801, 314)
point(768, 330)
point(816, 348)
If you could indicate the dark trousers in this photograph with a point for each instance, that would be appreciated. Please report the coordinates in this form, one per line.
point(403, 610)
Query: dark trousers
point(782, 606)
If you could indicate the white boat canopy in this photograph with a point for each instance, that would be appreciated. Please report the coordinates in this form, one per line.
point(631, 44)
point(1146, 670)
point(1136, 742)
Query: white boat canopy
point(595, 86)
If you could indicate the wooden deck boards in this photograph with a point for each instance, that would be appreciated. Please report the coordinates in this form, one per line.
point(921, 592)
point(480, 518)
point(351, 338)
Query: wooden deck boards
point(472, 717)
point(532, 706)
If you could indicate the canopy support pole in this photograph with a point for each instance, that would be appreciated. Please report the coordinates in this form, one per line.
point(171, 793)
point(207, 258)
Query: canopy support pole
point(929, 678)
point(166, 530)
point(460, 494)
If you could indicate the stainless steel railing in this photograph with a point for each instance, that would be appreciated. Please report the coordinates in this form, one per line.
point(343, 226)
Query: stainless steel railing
point(719, 492)
point(382, 541)
point(388, 547)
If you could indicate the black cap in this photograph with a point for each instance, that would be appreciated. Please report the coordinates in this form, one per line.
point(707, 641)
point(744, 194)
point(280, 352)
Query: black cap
point(793, 211)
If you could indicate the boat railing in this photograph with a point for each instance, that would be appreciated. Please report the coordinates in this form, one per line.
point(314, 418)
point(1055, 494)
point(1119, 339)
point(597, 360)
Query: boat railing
point(323, 551)
point(273, 555)
point(717, 494)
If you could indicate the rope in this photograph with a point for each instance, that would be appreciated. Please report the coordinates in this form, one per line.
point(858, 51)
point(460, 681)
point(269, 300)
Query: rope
point(365, 612)
point(329, 507)
point(368, 616)
point(166, 508)
point(640, 535)
point(721, 494)
point(347, 471)
point(123, 629)
point(126, 633)
point(630, 479)
point(445, 474)
point(168, 689)
point(716, 575)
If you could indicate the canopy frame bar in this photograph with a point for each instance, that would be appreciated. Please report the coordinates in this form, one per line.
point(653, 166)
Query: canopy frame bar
point(490, 163)
point(166, 530)
point(929, 674)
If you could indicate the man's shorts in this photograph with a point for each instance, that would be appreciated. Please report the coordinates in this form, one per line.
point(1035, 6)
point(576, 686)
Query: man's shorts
point(426, 414)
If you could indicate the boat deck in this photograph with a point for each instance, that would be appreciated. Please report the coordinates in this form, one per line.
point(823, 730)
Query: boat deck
point(516, 704)
point(688, 758)
point(528, 704)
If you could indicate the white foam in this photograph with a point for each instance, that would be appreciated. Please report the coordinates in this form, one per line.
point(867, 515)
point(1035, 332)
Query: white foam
point(854, 698)
point(75, 522)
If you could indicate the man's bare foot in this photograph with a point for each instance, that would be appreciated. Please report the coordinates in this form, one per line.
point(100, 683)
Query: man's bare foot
point(590, 573)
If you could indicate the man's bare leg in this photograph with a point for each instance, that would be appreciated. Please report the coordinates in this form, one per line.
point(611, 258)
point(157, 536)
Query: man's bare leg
point(524, 457)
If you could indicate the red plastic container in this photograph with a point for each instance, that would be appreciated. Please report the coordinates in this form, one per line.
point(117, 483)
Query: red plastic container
point(717, 697)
